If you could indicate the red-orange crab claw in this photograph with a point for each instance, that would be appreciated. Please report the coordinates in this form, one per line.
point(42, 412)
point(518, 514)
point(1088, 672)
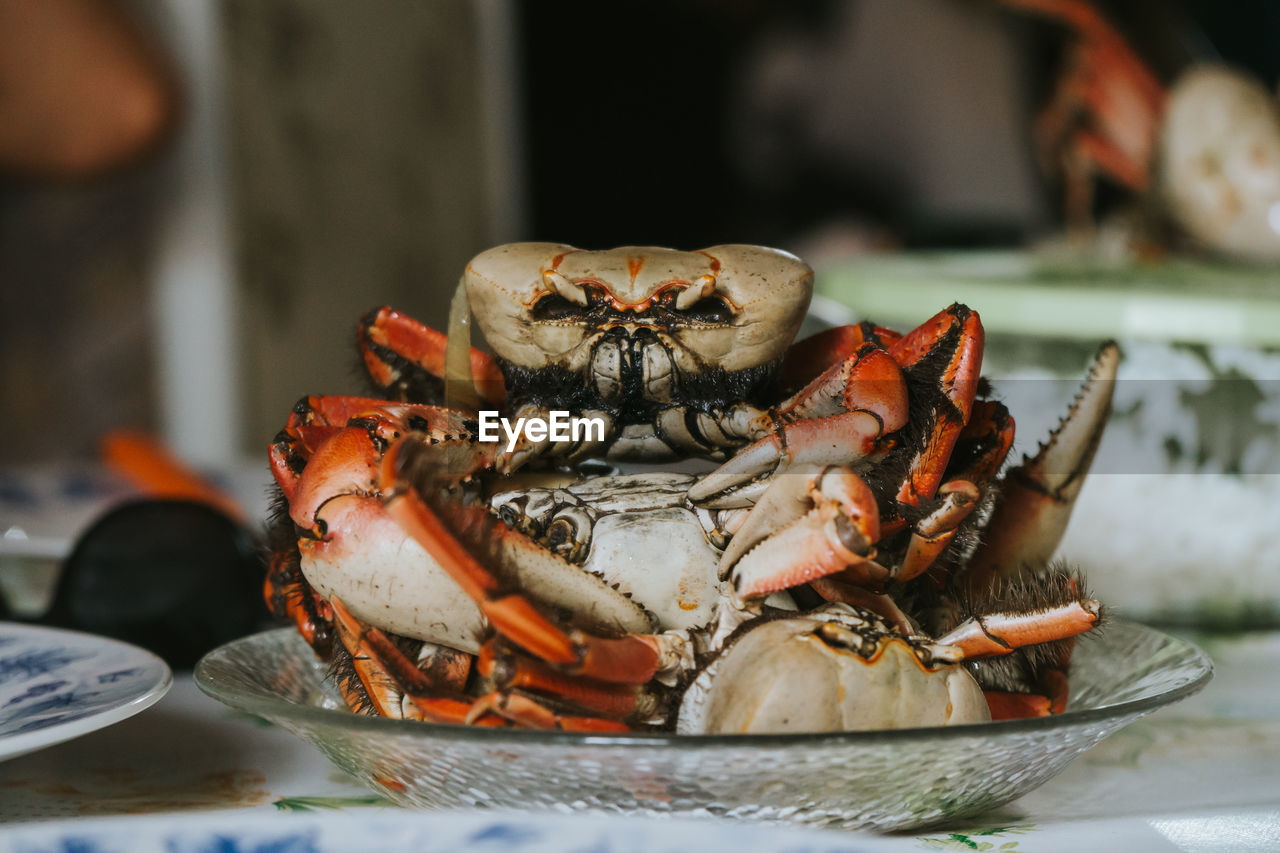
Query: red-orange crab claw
point(947, 352)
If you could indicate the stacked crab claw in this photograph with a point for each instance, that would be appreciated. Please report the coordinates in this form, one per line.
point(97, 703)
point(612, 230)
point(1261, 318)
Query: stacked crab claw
point(834, 550)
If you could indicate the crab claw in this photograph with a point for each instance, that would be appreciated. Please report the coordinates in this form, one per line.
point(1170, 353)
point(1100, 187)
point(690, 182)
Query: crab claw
point(836, 419)
point(835, 440)
point(809, 524)
point(934, 532)
point(1036, 498)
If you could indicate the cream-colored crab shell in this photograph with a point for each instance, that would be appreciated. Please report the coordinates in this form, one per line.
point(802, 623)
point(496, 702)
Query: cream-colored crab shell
point(768, 291)
point(780, 678)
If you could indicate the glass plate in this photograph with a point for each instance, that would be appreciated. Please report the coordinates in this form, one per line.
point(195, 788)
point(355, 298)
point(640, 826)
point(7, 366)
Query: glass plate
point(885, 780)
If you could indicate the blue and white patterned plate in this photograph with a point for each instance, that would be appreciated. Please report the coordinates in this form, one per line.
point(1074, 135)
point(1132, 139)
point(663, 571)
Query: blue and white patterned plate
point(418, 832)
point(56, 685)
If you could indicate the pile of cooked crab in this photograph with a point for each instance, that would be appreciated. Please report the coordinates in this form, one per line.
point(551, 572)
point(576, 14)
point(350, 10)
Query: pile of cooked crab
point(762, 536)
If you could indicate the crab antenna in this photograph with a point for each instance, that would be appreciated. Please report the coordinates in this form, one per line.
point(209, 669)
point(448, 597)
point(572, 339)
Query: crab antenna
point(459, 383)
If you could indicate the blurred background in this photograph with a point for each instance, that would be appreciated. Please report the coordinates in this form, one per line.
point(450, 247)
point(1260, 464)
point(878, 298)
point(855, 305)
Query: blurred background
point(200, 197)
point(295, 163)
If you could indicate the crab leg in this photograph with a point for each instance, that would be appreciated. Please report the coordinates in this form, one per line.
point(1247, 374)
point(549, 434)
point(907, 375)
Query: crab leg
point(345, 460)
point(629, 659)
point(979, 451)
point(355, 426)
point(388, 677)
point(1002, 633)
point(396, 687)
point(406, 358)
point(1023, 613)
point(512, 671)
point(1105, 111)
point(869, 380)
point(809, 523)
point(950, 345)
point(1035, 500)
point(527, 713)
point(819, 352)
point(984, 442)
point(837, 589)
point(1094, 30)
point(934, 532)
point(288, 596)
point(839, 417)
point(999, 634)
point(1007, 705)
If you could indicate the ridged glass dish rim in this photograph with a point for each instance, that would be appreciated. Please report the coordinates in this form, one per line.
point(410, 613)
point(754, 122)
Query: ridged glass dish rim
point(1199, 672)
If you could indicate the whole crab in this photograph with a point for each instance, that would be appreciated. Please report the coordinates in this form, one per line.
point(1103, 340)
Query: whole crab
point(455, 581)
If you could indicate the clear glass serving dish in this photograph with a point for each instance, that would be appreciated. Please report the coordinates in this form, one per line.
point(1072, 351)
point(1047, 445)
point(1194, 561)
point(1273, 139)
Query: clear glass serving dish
point(885, 780)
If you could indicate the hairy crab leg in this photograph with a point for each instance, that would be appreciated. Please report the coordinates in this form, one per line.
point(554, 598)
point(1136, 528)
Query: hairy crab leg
point(407, 358)
point(1045, 616)
point(998, 634)
point(1035, 499)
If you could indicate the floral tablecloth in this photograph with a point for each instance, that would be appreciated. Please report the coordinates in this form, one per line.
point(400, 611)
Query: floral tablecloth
point(1203, 775)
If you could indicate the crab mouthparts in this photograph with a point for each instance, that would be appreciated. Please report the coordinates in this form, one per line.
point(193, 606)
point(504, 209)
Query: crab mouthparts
point(633, 364)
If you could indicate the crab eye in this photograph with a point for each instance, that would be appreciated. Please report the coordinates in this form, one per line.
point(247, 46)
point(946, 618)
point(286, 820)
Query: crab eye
point(553, 306)
point(709, 309)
